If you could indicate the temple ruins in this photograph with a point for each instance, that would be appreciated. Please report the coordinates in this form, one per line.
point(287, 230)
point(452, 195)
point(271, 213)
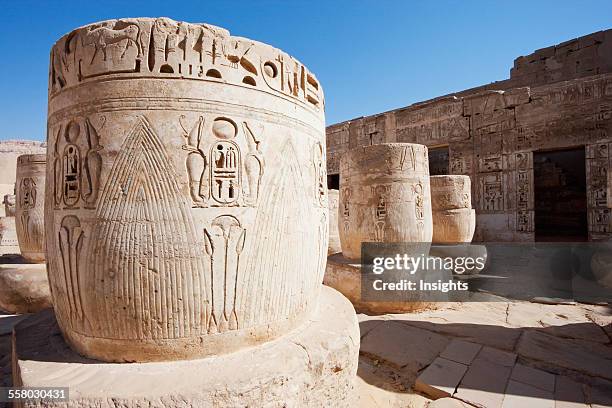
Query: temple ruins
point(543, 134)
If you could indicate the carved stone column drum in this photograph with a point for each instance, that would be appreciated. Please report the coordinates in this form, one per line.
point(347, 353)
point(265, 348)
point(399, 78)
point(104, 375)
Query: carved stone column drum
point(29, 206)
point(454, 220)
point(384, 196)
point(186, 190)
point(9, 205)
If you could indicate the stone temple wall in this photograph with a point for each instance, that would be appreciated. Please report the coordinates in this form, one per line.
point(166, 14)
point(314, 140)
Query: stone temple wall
point(558, 97)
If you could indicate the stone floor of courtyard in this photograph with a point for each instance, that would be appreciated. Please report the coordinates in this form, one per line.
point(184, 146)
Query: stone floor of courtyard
point(483, 354)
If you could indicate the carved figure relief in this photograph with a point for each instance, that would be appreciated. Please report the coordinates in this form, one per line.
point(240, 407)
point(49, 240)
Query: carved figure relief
point(380, 214)
point(27, 196)
point(254, 164)
point(419, 200)
point(92, 166)
point(318, 161)
point(196, 164)
point(100, 38)
point(164, 47)
point(150, 248)
point(70, 245)
point(224, 242)
point(346, 194)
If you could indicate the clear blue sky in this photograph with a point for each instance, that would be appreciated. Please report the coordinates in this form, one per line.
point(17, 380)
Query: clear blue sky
point(370, 56)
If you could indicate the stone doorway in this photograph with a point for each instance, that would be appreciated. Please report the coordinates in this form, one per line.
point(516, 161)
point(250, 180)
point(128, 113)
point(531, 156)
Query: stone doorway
point(333, 181)
point(560, 195)
point(438, 161)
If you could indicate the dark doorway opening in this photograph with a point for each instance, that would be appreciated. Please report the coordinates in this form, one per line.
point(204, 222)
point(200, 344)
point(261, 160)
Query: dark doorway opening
point(560, 195)
point(438, 161)
point(333, 181)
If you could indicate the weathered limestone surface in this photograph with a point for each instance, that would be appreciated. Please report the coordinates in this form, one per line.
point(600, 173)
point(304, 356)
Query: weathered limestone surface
point(29, 209)
point(384, 196)
point(184, 164)
point(312, 366)
point(334, 235)
point(8, 236)
point(9, 205)
point(454, 220)
point(453, 226)
point(550, 102)
point(9, 151)
point(24, 288)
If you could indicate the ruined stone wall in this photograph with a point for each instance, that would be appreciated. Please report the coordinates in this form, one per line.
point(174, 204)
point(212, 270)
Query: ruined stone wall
point(492, 134)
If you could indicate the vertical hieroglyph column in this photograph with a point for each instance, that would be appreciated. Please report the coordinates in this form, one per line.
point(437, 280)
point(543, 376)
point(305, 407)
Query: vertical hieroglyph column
point(186, 202)
point(454, 220)
point(384, 196)
point(29, 206)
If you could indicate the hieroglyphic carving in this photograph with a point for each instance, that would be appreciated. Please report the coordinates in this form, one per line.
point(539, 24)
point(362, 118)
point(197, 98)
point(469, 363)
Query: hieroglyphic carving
point(29, 208)
point(523, 183)
point(27, 201)
point(491, 191)
point(102, 37)
point(71, 244)
point(71, 166)
point(92, 166)
point(380, 212)
point(345, 199)
point(164, 47)
point(224, 242)
point(77, 175)
point(597, 166)
point(149, 248)
point(225, 172)
point(196, 163)
point(197, 170)
point(320, 175)
point(253, 164)
point(491, 163)
point(27, 196)
point(217, 170)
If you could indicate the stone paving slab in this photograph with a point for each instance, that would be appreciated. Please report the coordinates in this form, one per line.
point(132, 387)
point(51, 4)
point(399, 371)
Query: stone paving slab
point(569, 393)
point(400, 346)
point(519, 395)
point(542, 355)
point(441, 378)
point(586, 357)
point(484, 384)
point(501, 357)
point(461, 351)
point(533, 377)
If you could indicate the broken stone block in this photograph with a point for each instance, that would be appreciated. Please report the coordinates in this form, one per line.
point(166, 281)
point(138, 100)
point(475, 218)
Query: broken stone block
point(384, 196)
point(24, 288)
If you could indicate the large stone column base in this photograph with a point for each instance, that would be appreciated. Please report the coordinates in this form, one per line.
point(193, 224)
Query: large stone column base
point(344, 275)
point(313, 366)
point(24, 288)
